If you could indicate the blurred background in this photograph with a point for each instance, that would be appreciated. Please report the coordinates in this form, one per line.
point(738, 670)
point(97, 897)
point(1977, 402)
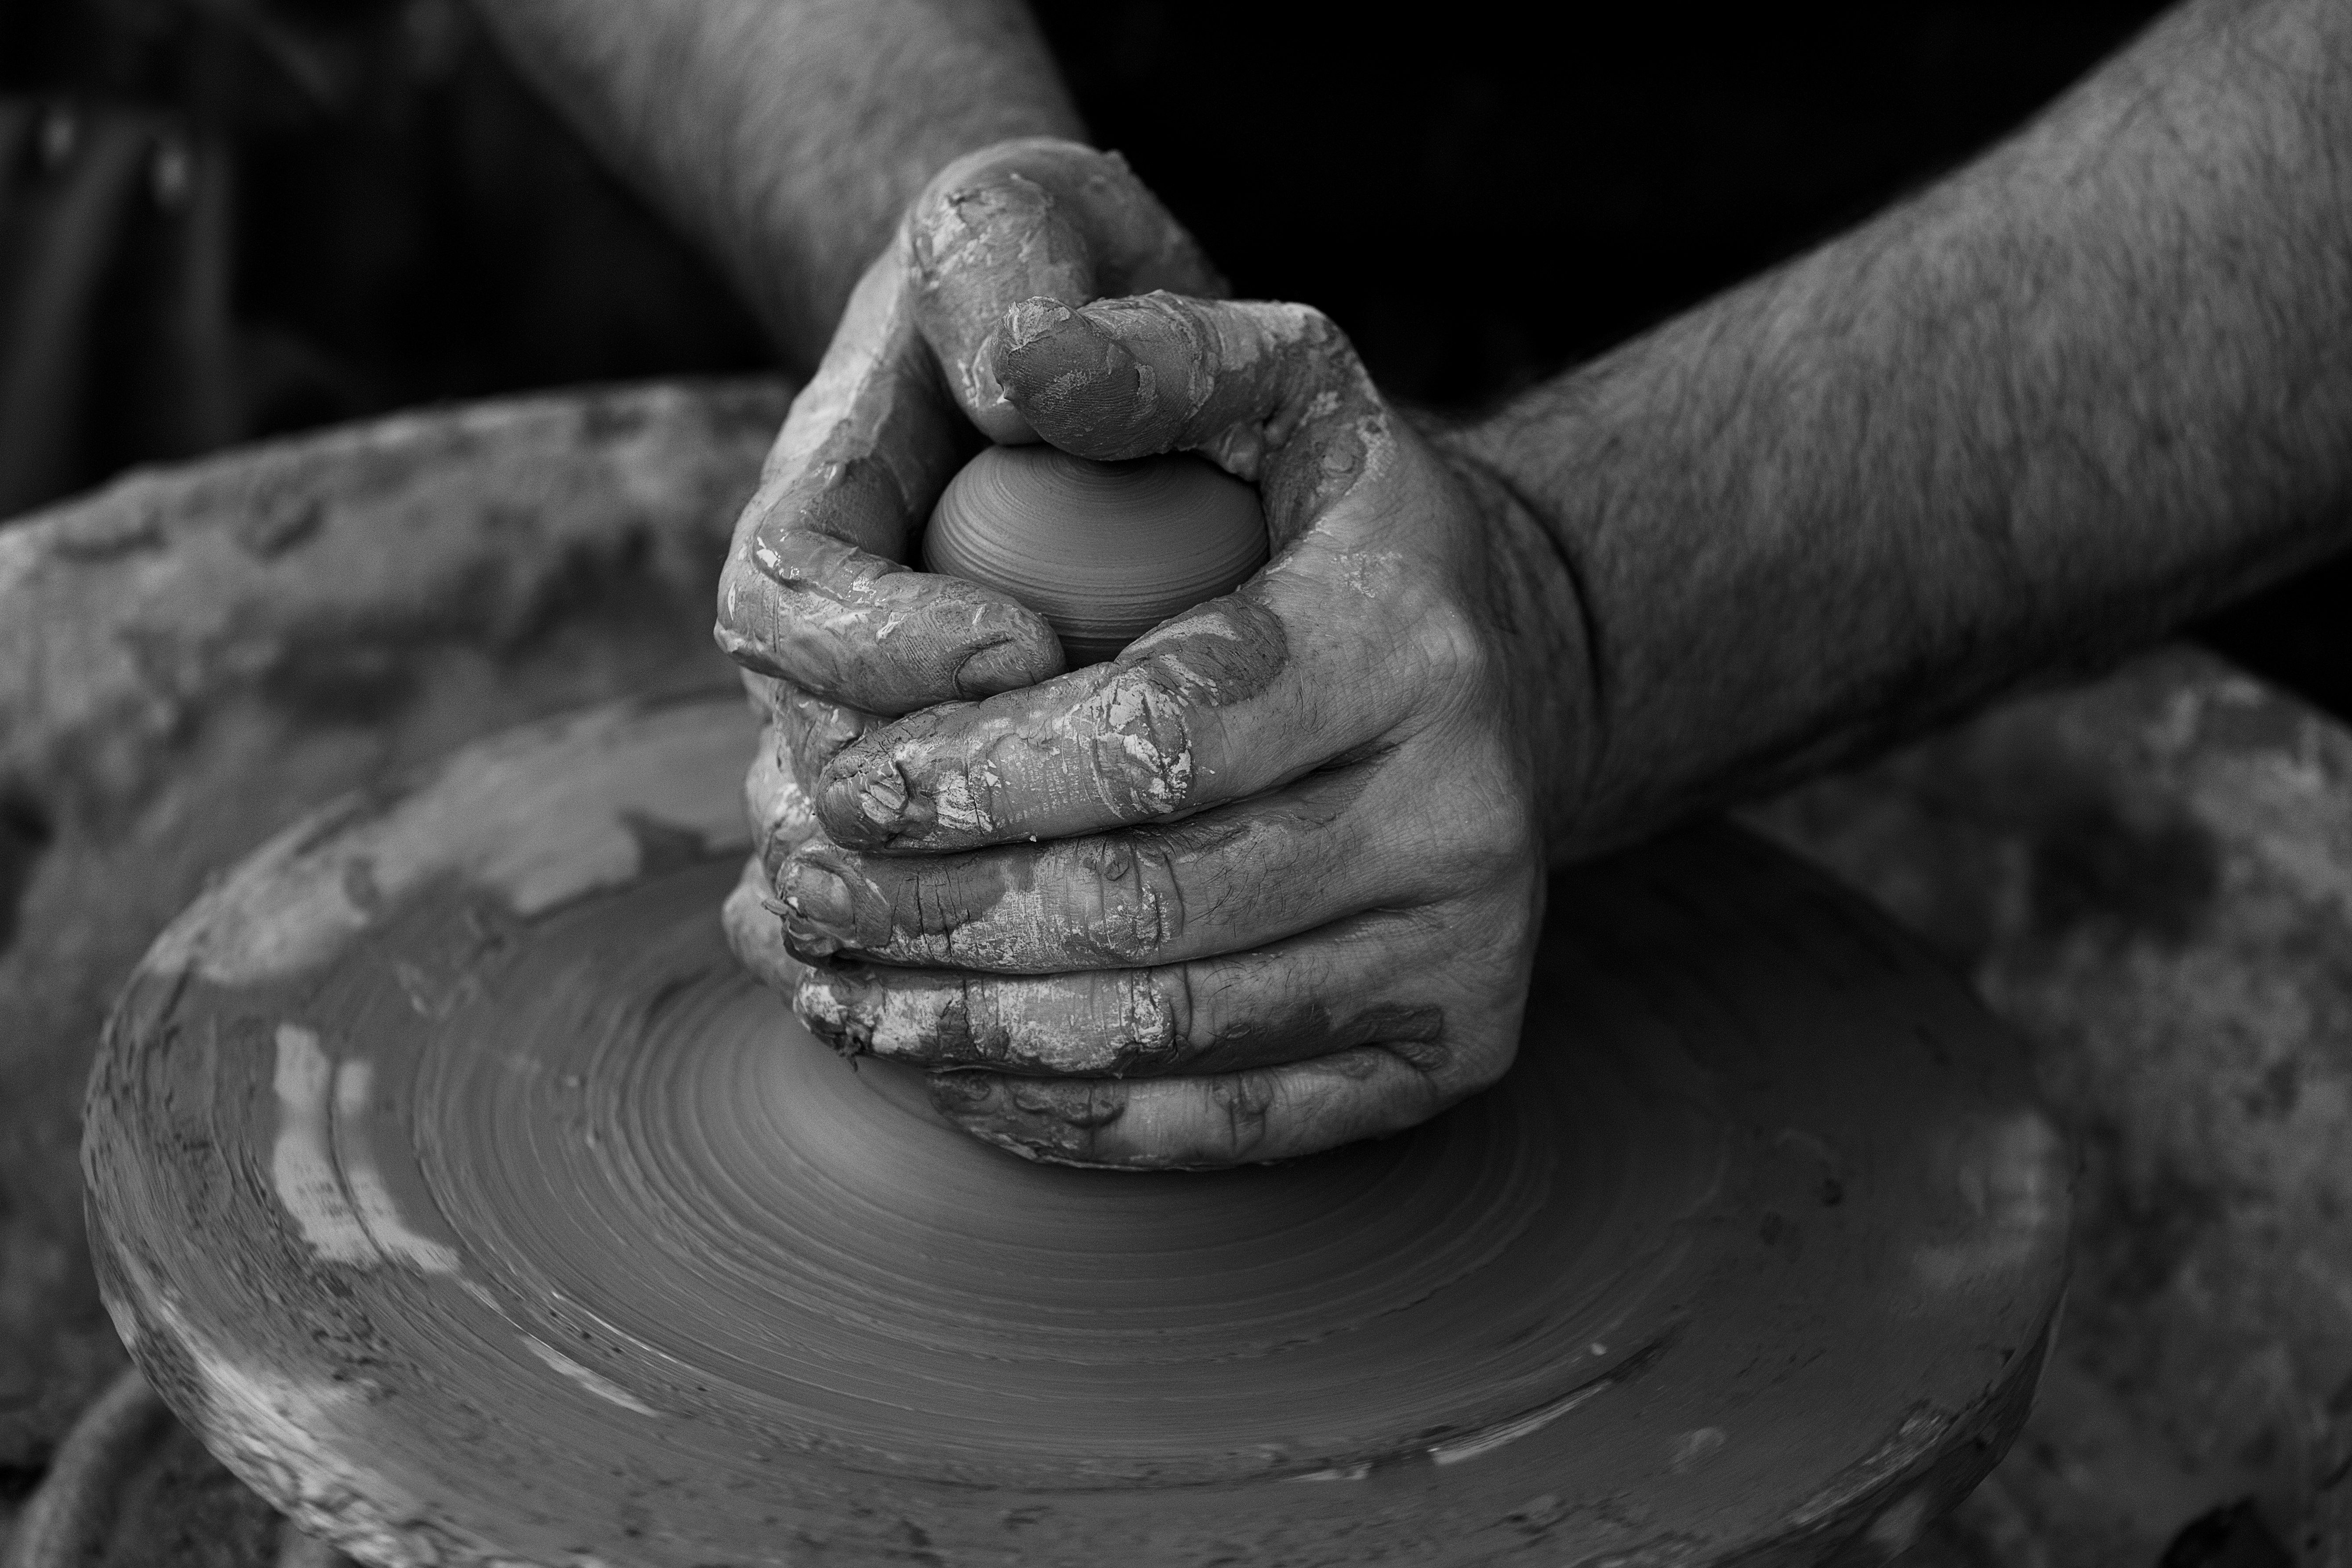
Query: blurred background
point(228, 219)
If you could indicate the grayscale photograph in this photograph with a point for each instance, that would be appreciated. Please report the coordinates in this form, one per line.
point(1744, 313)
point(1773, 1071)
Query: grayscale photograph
point(1114, 783)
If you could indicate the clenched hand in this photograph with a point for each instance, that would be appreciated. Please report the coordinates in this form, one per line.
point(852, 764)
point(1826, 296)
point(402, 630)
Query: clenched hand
point(1266, 882)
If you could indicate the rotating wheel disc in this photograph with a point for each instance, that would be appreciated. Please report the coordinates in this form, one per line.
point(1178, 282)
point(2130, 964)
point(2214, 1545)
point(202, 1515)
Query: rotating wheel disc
point(454, 1182)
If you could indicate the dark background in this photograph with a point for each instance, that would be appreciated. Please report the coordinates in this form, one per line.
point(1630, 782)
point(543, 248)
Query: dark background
point(222, 219)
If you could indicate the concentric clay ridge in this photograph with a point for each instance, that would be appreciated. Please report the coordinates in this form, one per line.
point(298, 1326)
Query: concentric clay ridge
point(1105, 552)
point(451, 1179)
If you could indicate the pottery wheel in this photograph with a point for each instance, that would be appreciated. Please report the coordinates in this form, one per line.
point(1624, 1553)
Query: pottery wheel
point(454, 1182)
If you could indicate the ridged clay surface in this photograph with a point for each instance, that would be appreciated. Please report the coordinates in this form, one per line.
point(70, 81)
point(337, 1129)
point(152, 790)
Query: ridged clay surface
point(1105, 552)
point(453, 1181)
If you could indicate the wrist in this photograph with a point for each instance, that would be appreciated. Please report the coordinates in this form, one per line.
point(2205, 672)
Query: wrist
point(1555, 665)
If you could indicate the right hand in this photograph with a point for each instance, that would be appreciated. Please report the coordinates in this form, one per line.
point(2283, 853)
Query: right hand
point(818, 600)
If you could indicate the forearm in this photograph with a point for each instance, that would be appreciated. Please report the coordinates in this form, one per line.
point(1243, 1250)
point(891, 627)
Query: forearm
point(2088, 387)
point(787, 135)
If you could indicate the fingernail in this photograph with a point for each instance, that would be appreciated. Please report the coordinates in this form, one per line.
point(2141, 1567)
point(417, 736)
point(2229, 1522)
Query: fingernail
point(820, 896)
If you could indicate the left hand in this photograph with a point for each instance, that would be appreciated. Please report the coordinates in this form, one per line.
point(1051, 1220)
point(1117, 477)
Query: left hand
point(1267, 882)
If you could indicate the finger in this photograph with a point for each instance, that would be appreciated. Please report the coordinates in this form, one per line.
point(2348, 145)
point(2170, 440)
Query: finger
point(752, 931)
point(1236, 696)
point(797, 733)
point(1423, 983)
point(814, 591)
point(1338, 843)
point(776, 805)
point(810, 730)
point(1231, 700)
point(1182, 1123)
point(1272, 392)
point(1026, 219)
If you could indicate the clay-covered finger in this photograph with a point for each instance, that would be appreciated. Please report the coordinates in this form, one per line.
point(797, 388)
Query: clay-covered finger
point(1328, 653)
point(1359, 626)
point(1034, 218)
point(815, 590)
point(870, 633)
point(1272, 392)
point(1196, 1123)
point(776, 805)
point(1424, 983)
point(1225, 880)
point(752, 932)
point(809, 730)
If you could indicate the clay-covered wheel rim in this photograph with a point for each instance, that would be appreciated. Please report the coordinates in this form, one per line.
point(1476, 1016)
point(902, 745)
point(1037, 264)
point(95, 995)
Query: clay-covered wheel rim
point(453, 1182)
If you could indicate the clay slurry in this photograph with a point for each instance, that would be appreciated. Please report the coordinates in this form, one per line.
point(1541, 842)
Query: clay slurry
point(1105, 552)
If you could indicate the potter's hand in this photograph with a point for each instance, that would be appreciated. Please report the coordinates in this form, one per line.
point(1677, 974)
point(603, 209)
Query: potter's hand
point(815, 591)
point(1268, 882)
point(815, 600)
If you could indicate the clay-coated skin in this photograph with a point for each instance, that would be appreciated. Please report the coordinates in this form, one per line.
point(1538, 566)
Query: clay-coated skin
point(817, 583)
point(457, 1187)
point(1365, 742)
point(1105, 552)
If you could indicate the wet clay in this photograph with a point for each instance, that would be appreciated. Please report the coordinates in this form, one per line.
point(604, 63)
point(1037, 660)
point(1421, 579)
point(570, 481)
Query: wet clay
point(450, 1178)
point(1105, 552)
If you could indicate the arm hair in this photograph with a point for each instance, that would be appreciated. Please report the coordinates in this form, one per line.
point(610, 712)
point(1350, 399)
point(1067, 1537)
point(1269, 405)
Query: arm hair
point(2095, 384)
point(786, 136)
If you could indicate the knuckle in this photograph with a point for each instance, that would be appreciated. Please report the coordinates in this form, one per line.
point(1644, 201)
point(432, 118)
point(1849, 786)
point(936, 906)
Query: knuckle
point(953, 1028)
point(977, 913)
point(1140, 764)
point(1493, 837)
point(1004, 1026)
point(1318, 345)
point(1134, 901)
point(1451, 649)
point(1244, 1105)
point(1151, 1019)
point(1086, 1026)
point(1323, 336)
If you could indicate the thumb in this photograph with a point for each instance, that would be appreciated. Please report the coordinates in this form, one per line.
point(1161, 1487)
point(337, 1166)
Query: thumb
point(1272, 393)
point(1025, 219)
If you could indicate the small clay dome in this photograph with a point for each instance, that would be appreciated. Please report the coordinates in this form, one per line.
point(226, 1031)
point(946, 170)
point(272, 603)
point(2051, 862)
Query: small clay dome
point(1105, 552)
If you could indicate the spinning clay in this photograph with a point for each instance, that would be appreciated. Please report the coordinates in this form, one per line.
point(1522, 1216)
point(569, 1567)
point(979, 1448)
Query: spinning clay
point(1105, 552)
point(455, 1184)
